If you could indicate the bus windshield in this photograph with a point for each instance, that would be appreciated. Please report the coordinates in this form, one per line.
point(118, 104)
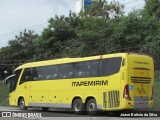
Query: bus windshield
point(12, 80)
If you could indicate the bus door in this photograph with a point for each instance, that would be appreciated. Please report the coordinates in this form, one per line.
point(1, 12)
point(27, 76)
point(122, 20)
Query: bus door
point(23, 87)
point(140, 87)
point(12, 82)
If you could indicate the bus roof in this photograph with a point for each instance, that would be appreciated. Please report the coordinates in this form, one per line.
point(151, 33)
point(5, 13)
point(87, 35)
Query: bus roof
point(67, 60)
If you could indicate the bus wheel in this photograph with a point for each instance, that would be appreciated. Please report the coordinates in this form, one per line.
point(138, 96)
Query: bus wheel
point(45, 109)
point(92, 107)
point(22, 104)
point(78, 106)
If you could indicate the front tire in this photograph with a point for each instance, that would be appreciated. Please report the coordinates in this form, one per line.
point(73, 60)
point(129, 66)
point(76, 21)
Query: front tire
point(92, 107)
point(22, 104)
point(78, 106)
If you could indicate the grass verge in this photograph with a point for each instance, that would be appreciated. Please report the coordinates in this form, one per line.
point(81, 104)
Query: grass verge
point(4, 92)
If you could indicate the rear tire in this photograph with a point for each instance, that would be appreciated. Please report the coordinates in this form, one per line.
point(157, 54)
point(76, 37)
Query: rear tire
point(22, 104)
point(92, 107)
point(78, 106)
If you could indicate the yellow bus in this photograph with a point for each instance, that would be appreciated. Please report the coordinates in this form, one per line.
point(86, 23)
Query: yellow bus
point(97, 83)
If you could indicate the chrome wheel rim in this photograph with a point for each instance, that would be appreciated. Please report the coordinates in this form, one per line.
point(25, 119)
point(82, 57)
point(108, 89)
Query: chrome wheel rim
point(92, 107)
point(22, 104)
point(77, 107)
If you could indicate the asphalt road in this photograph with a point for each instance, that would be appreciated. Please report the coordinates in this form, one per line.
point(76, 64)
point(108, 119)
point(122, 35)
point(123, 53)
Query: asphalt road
point(56, 114)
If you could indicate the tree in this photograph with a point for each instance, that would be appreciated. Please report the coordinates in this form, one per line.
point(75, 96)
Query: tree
point(152, 7)
point(22, 47)
point(57, 39)
point(102, 28)
point(19, 50)
point(103, 9)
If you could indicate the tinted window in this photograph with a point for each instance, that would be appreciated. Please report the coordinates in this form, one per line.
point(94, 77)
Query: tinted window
point(110, 66)
point(13, 81)
point(94, 68)
point(82, 69)
point(26, 76)
point(17, 74)
point(66, 71)
point(52, 72)
point(39, 73)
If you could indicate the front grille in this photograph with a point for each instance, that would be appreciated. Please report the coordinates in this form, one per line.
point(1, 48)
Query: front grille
point(113, 99)
point(140, 79)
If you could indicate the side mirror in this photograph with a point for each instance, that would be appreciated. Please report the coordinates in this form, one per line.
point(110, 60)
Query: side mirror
point(9, 79)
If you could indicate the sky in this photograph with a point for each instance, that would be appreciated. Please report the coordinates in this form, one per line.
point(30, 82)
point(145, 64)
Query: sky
point(16, 15)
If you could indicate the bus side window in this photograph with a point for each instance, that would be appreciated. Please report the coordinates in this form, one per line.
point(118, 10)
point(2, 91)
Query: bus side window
point(94, 68)
point(82, 69)
point(110, 66)
point(52, 72)
point(39, 73)
point(66, 71)
point(26, 76)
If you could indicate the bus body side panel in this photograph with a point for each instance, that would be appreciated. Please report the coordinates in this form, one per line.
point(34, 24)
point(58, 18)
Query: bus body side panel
point(109, 96)
point(49, 94)
point(12, 99)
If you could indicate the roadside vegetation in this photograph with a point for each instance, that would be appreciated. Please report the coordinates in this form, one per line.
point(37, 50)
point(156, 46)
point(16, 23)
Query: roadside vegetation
point(4, 92)
point(101, 29)
point(157, 94)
